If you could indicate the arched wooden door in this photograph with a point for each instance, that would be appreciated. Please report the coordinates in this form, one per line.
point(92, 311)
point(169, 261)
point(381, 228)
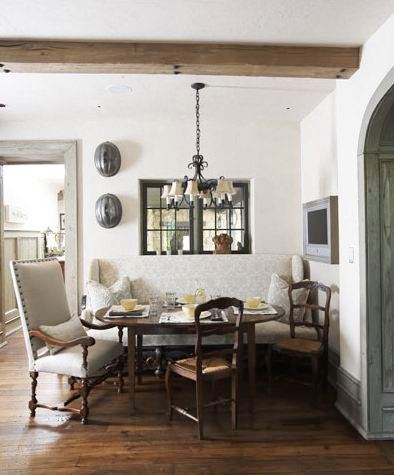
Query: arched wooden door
point(379, 215)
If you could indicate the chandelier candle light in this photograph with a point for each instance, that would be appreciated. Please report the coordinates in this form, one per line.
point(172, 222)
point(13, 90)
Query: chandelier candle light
point(212, 192)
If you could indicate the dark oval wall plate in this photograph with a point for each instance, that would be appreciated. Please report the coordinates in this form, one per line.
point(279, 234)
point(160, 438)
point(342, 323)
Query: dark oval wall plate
point(107, 159)
point(108, 210)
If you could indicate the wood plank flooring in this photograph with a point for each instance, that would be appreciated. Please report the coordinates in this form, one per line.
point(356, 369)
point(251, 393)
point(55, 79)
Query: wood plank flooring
point(284, 437)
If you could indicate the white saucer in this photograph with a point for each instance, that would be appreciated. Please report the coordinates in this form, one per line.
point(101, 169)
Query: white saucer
point(261, 306)
point(137, 308)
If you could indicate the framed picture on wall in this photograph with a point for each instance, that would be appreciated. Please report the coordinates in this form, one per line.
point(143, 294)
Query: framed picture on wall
point(62, 222)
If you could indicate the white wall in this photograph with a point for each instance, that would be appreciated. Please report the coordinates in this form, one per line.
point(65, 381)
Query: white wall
point(336, 128)
point(319, 178)
point(35, 194)
point(352, 100)
point(160, 146)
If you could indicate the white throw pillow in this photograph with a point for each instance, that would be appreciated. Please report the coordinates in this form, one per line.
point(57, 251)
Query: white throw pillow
point(101, 296)
point(66, 331)
point(278, 295)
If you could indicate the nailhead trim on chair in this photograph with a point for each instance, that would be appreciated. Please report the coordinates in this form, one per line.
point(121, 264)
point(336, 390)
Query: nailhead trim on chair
point(15, 265)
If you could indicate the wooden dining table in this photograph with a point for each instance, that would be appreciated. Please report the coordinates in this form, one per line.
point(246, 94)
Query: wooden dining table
point(139, 326)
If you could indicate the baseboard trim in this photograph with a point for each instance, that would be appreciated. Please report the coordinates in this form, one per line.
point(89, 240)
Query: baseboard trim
point(3, 344)
point(348, 389)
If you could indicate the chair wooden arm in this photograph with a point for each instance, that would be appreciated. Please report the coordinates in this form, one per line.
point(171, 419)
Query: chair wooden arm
point(94, 326)
point(84, 340)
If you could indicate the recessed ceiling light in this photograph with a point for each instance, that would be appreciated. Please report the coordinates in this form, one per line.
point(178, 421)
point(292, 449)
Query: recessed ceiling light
point(119, 89)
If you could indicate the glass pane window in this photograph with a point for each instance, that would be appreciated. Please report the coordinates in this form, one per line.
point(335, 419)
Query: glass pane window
point(163, 230)
point(226, 219)
point(191, 230)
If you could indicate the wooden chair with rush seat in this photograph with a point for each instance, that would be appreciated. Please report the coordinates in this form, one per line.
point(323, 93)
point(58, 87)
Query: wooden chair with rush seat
point(210, 366)
point(315, 350)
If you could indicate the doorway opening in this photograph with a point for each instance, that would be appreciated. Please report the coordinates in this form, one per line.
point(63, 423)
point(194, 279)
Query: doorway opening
point(38, 216)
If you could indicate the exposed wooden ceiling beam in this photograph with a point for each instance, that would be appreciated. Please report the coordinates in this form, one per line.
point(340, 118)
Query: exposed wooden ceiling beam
point(20, 56)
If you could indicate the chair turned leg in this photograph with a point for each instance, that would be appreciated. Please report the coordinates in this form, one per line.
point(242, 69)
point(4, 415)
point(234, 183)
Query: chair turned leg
point(234, 401)
point(33, 400)
point(120, 374)
point(168, 391)
point(316, 375)
point(268, 364)
point(84, 412)
point(200, 408)
point(325, 371)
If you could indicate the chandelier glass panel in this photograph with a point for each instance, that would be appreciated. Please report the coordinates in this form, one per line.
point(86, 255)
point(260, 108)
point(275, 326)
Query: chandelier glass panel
point(212, 192)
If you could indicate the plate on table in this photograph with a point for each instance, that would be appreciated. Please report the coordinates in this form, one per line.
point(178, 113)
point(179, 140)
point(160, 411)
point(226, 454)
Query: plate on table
point(202, 316)
point(137, 308)
point(261, 306)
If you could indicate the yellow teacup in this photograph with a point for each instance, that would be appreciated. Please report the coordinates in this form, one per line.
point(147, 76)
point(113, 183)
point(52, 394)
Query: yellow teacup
point(253, 302)
point(189, 309)
point(129, 304)
point(189, 298)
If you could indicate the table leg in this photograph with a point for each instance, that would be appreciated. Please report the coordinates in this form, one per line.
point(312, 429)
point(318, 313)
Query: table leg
point(251, 332)
point(131, 368)
point(139, 358)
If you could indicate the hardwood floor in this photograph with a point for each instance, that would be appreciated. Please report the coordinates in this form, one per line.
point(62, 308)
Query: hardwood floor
point(285, 436)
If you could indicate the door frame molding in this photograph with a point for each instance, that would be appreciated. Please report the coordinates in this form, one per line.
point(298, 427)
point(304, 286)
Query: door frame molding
point(30, 152)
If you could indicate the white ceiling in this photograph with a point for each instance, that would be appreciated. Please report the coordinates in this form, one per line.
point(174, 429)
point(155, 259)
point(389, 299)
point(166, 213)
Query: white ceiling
point(73, 97)
point(331, 22)
point(45, 96)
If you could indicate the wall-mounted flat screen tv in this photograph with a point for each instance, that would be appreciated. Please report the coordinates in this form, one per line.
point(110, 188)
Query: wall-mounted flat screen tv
point(321, 230)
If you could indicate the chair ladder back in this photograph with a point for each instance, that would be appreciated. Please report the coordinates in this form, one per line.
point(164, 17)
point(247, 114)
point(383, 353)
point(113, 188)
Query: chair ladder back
point(322, 329)
point(203, 330)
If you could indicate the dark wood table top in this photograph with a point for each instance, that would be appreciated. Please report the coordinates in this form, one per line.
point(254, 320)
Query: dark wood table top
point(152, 323)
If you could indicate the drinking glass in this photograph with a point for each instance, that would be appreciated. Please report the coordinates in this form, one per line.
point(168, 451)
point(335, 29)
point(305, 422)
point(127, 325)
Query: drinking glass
point(170, 300)
point(155, 305)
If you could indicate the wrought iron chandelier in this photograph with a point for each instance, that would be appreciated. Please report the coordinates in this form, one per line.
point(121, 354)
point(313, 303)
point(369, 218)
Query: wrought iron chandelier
point(187, 191)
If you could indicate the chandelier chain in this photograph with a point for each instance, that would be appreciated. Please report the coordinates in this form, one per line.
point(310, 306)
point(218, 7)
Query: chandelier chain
point(198, 131)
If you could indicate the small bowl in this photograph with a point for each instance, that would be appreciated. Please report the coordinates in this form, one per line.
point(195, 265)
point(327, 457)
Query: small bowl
point(189, 309)
point(253, 302)
point(129, 304)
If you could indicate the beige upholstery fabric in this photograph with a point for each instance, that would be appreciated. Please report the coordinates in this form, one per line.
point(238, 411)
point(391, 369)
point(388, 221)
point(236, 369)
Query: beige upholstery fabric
point(70, 363)
point(240, 275)
point(66, 331)
point(271, 332)
point(41, 298)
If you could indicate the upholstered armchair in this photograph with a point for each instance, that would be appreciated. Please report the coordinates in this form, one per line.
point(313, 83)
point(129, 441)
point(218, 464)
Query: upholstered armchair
point(55, 341)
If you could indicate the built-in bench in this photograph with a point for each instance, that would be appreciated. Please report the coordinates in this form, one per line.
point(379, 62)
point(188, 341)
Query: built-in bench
point(226, 275)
